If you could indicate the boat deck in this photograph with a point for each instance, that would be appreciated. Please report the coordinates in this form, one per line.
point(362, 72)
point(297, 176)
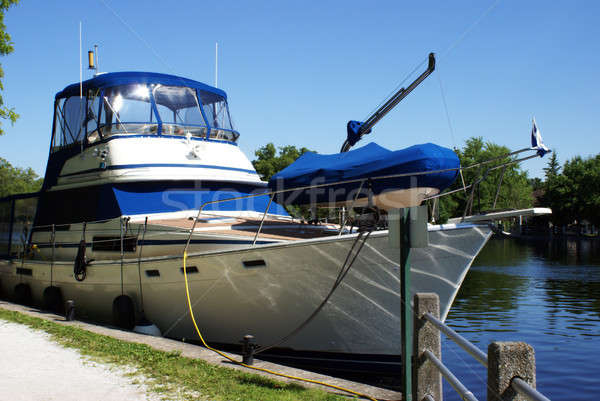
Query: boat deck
point(247, 227)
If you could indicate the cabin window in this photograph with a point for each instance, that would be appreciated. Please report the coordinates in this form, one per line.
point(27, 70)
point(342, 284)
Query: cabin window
point(179, 111)
point(92, 118)
point(141, 108)
point(69, 117)
point(127, 109)
point(59, 125)
point(217, 114)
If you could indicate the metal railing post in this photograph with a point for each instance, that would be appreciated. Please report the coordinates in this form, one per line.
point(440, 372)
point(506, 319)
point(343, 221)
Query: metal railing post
point(53, 255)
point(262, 221)
point(506, 361)
point(407, 229)
point(427, 379)
point(498, 188)
point(11, 226)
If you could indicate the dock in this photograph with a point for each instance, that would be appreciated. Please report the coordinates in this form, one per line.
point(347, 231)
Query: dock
point(198, 352)
point(511, 365)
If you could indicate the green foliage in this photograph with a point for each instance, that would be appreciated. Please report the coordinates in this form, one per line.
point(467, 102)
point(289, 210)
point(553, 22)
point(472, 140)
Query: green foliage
point(515, 191)
point(536, 183)
point(14, 180)
point(553, 168)
point(573, 194)
point(6, 47)
point(268, 162)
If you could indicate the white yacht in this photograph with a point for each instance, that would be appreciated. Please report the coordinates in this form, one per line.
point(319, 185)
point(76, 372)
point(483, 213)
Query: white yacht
point(144, 165)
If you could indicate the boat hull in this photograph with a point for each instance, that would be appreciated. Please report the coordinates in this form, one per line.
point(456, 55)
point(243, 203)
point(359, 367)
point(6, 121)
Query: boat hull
point(268, 290)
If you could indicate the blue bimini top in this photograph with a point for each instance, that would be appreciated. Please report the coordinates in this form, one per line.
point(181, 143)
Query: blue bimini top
point(111, 79)
point(366, 162)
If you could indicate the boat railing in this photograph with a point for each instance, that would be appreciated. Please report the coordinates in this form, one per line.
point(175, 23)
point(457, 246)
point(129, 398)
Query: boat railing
point(102, 235)
point(17, 212)
point(510, 365)
point(483, 166)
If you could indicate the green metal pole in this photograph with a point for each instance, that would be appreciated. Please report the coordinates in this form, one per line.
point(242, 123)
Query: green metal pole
point(405, 309)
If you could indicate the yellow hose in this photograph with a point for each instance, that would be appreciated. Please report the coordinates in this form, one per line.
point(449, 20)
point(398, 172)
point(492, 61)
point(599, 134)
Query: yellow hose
point(187, 293)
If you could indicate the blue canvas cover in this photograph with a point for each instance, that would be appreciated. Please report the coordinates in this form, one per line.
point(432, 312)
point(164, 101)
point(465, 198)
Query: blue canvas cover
point(110, 79)
point(368, 161)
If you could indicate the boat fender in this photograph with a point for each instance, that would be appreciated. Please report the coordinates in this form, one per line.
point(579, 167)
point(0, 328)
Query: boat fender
point(81, 262)
point(145, 326)
point(123, 312)
point(23, 294)
point(53, 300)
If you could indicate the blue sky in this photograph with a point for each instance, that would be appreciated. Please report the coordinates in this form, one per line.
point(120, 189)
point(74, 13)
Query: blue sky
point(296, 72)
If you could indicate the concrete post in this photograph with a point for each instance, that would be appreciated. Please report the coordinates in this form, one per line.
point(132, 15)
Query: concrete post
point(507, 360)
point(427, 379)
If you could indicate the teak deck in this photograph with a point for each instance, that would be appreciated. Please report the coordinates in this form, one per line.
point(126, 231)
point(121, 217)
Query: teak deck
point(247, 227)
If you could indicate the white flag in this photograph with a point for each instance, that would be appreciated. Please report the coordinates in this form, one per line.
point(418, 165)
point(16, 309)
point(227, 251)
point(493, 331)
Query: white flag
point(536, 140)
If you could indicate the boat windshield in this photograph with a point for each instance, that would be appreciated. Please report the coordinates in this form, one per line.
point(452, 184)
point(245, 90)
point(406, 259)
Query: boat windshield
point(142, 109)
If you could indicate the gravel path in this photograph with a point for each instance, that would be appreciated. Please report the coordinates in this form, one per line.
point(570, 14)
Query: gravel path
point(35, 368)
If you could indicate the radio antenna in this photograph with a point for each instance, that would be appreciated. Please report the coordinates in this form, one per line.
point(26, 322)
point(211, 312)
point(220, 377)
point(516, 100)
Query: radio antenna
point(216, 64)
point(80, 65)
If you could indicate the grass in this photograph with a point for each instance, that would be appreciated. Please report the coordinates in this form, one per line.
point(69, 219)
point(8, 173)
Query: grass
point(169, 373)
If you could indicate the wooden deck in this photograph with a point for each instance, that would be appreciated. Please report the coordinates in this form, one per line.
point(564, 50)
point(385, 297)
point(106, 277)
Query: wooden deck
point(247, 227)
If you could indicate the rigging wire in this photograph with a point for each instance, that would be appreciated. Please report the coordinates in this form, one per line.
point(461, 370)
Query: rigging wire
point(468, 30)
point(341, 275)
point(439, 78)
point(444, 54)
point(438, 75)
point(385, 99)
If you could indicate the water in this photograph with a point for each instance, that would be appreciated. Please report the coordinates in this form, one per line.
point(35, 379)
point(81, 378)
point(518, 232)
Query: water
point(545, 293)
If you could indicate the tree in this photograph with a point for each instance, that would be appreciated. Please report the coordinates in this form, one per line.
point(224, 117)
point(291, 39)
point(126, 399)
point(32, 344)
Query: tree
point(515, 191)
point(14, 180)
point(536, 183)
point(553, 168)
point(268, 162)
point(574, 195)
point(6, 47)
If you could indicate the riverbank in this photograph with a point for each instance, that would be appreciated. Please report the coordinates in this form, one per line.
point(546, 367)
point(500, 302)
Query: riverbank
point(169, 367)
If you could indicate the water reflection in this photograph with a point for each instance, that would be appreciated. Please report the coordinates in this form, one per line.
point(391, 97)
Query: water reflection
point(558, 278)
point(546, 293)
point(566, 251)
point(573, 296)
point(477, 295)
